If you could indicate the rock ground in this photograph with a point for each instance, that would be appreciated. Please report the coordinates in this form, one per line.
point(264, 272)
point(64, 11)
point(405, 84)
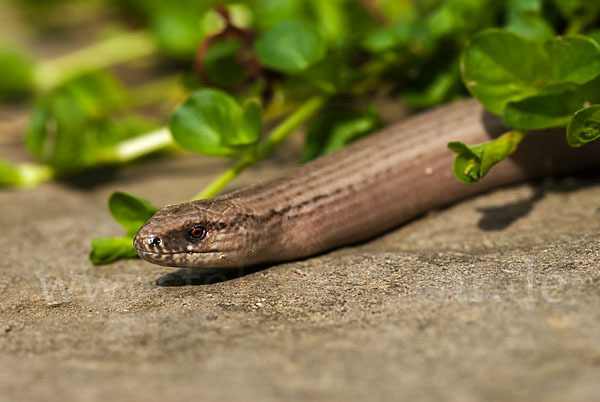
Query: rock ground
point(494, 298)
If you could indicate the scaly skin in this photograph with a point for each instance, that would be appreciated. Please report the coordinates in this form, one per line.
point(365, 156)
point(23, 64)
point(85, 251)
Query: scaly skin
point(351, 195)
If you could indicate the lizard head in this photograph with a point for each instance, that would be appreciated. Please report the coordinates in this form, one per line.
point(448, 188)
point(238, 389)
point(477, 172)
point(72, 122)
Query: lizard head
point(203, 234)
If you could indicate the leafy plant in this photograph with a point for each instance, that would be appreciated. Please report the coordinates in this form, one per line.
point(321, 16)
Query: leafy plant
point(584, 127)
point(532, 85)
point(250, 72)
point(213, 123)
point(129, 211)
point(17, 75)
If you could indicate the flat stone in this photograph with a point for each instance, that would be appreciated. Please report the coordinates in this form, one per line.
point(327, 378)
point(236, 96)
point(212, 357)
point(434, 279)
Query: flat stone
point(494, 298)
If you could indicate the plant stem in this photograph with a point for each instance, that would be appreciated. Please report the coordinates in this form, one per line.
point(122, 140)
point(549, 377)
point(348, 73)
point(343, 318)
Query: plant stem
point(223, 179)
point(136, 147)
point(99, 55)
point(167, 90)
point(33, 174)
point(577, 25)
point(276, 137)
point(295, 120)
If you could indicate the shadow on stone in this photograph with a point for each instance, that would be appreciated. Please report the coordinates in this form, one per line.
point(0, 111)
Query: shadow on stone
point(500, 217)
point(92, 178)
point(205, 276)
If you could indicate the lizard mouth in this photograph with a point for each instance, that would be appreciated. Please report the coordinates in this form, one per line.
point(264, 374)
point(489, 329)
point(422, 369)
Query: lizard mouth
point(182, 259)
point(178, 259)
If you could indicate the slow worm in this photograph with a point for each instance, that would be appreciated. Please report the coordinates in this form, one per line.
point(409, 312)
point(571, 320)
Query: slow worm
point(350, 195)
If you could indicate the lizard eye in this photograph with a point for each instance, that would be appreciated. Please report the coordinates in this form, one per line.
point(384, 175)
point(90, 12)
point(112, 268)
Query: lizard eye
point(198, 232)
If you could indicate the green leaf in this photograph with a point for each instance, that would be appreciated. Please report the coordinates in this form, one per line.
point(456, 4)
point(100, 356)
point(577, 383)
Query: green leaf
point(130, 211)
point(553, 107)
point(252, 117)
point(517, 8)
point(499, 67)
point(221, 64)
point(109, 249)
point(396, 10)
point(348, 27)
point(573, 59)
point(269, 12)
point(392, 36)
point(435, 87)
point(330, 18)
point(341, 23)
point(68, 126)
point(575, 8)
point(16, 73)
point(290, 47)
point(585, 126)
point(405, 27)
point(458, 18)
point(332, 74)
point(531, 26)
point(473, 162)
point(96, 93)
point(594, 35)
point(55, 133)
point(335, 128)
point(212, 122)
point(177, 31)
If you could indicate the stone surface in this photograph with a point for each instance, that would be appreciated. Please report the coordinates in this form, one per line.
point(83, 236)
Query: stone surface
point(494, 298)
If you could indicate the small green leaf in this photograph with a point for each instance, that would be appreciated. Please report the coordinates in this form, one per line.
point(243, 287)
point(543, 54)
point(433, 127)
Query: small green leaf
point(130, 211)
point(177, 31)
point(330, 18)
point(391, 36)
point(290, 47)
point(109, 249)
point(56, 133)
point(332, 74)
point(585, 126)
point(531, 26)
point(551, 108)
point(499, 67)
point(269, 12)
point(576, 8)
point(252, 121)
point(96, 93)
point(435, 86)
point(521, 7)
point(554, 106)
point(68, 126)
point(573, 59)
point(401, 10)
point(339, 21)
point(335, 128)
point(458, 18)
point(594, 34)
point(467, 164)
point(473, 162)
point(211, 122)
point(16, 73)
